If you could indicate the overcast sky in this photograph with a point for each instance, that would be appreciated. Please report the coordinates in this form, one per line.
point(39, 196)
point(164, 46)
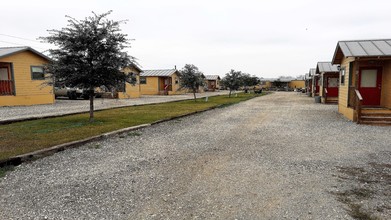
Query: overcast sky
point(260, 37)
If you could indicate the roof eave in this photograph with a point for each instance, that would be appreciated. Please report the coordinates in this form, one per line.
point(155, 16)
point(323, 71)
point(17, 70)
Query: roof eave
point(28, 49)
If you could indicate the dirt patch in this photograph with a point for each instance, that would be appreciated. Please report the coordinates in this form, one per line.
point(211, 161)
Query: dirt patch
point(366, 190)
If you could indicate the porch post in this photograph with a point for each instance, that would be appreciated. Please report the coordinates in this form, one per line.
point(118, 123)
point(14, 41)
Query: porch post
point(356, 83)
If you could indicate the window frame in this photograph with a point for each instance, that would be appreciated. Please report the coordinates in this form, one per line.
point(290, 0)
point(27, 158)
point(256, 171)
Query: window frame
point(143, 80)
point(32, 73)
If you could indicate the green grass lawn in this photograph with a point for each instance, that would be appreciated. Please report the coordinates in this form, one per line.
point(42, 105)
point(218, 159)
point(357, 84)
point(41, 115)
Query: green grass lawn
point(24, 137)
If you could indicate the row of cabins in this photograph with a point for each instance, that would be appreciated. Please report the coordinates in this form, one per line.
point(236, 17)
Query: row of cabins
point(22, 78)
point(358, 79)
point(283, 83)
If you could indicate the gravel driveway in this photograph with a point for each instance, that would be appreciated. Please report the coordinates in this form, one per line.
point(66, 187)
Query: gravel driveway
point(279, 156)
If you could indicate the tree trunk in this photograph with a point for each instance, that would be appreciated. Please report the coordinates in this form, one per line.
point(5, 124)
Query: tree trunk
point(91, 92)
point(230, 91)
point(194, 93)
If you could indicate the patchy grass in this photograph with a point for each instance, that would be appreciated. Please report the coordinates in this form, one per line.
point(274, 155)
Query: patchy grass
point(28, 136)
point(96, 146)
point(134, 134)
point(367, 190)
point(4, 170)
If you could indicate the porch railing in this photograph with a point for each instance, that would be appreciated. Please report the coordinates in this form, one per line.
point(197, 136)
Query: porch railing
point(359, 100)
point(6, 87)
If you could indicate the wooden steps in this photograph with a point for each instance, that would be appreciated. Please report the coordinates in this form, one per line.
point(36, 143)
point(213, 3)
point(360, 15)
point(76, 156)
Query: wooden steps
point(376, 116)
point(332, 100)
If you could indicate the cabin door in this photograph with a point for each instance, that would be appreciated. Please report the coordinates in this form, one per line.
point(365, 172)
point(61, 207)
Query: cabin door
point(317, 85)
point(6, 83)
point(332, 86)
point(370, 82)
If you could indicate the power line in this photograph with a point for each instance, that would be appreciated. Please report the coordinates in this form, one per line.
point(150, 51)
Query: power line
point(45, 49)
point(12, 43)
point(21, 38)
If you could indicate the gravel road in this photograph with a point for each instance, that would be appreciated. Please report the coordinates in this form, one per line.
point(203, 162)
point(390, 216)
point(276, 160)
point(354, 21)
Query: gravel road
point(279, 156)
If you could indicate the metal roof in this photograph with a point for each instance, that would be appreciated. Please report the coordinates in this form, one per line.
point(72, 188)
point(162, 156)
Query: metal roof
point(212, 77)
point(362, 48)
point(8, 51)
point(326, 67)
point(166, 72)
point(312, 71)
point(281, 79)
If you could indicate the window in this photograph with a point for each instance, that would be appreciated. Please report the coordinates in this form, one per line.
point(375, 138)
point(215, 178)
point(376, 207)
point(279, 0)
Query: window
point(4, 73)
point(342, 74)
point(143, 80)
point(176, 80)
point(37, 73)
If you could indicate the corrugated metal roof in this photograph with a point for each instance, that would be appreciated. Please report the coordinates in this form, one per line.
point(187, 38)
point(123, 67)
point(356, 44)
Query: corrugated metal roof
point(166, 72)
point(326, 67)
point(212, 77)
point(281, 79)
point(7, 51)
point(366, 48)
point(362, 48)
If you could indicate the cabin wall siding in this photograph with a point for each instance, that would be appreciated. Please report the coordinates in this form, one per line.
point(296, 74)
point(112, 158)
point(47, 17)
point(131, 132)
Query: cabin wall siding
point(131, 91)
point(343, 93)
point(152, 86)
point(296, 84)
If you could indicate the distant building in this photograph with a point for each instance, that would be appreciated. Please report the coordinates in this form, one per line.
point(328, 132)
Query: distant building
point(160, 82)
point(328, 81)
point(212, 82)
point(283, 83)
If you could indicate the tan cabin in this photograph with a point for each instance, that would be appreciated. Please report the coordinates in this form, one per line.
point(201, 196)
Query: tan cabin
point(160, 82)
point(22, 77)
point(365, 80)
point(328, 82)
point(282, 83)
point(212, 82)
point(129, 90)
point(296, 84)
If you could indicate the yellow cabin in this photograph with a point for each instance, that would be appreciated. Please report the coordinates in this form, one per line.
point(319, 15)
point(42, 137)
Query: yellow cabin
point(22, 77)
point(160, 82)
point(212, 82)
point(328, 82)
point(296, 84)
point(282, 83)
point(365, 80)
point(129, 90)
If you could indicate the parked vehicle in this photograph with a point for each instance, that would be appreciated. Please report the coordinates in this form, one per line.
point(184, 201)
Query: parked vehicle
point(71, 93)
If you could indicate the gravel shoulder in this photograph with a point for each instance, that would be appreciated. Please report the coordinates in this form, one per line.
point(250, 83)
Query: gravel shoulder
point(279, 156)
